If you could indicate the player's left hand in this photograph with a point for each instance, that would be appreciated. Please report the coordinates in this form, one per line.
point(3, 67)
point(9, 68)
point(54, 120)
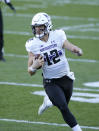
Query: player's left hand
point(80, 52)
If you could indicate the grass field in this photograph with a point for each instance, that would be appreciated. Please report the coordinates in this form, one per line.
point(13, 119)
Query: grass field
point(18, 105)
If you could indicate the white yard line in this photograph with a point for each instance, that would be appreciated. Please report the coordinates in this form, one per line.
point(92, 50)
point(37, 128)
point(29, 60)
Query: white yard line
point(76, 2)
point(18, 33)
point(69, 36)
point(90, 19)
point(69, 59)
point(18, 56)
point(86, 89)
point(20, 84)
point(77, 96)
point(92, 84)
point(83, 60)
point(62, 2)
point(46, 123)
point(37, 85)
point(74, 28)
point(82, 28)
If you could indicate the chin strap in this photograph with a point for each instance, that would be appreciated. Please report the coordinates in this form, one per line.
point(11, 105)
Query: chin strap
point(41, 35)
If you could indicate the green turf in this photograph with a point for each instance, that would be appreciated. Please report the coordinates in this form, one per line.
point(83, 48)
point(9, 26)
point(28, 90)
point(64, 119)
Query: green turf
point(17, 102)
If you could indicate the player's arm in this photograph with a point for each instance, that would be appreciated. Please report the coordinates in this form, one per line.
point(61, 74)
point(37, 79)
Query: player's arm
point(10, 5)
point(75, 49)
point(34, 64)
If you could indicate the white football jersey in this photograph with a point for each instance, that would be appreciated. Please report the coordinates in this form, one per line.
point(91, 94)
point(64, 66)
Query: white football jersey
point(55, 61)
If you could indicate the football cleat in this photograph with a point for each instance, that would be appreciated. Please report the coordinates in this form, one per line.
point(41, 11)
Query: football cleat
point(46, 104)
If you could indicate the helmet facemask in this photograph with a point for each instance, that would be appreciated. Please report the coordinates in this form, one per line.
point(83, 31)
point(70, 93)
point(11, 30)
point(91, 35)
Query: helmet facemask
point(43, 31)
point(41, 19)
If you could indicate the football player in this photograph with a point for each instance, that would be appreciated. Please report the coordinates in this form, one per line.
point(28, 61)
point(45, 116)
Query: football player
point(57, 78)
point(1, 27)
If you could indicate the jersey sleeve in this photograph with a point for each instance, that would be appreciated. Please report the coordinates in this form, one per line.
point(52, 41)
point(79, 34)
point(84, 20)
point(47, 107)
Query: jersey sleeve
point(61, 36)
point(28, 46)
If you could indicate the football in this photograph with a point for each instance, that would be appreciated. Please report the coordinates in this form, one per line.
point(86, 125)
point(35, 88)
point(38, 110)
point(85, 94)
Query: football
point(36, 57)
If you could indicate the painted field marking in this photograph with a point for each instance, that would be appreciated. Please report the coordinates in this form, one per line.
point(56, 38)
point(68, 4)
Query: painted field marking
point(20, 84)
point(69, 36)
point(41, 86)
point(77, 28)
point(45, 123)
point(76, 2)
point(69, 59)
point(82, 28)
point(62, 2)
point(77, 96)
point(89, 19)
point(92, 84)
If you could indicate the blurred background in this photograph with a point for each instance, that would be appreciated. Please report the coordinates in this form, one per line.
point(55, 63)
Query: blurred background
point(80, 20)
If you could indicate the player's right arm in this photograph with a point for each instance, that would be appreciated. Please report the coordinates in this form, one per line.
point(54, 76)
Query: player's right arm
point(34, 64)
point(30, 63)
point(73, 48)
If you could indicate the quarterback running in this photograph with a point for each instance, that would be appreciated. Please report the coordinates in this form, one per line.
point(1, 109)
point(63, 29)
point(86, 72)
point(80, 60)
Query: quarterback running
point(47, 50)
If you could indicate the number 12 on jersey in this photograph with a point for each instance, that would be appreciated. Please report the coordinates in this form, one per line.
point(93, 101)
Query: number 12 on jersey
point(52, 58)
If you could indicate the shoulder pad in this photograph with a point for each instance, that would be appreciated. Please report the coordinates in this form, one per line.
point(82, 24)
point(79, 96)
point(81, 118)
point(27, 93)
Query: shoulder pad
point(30, 40)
